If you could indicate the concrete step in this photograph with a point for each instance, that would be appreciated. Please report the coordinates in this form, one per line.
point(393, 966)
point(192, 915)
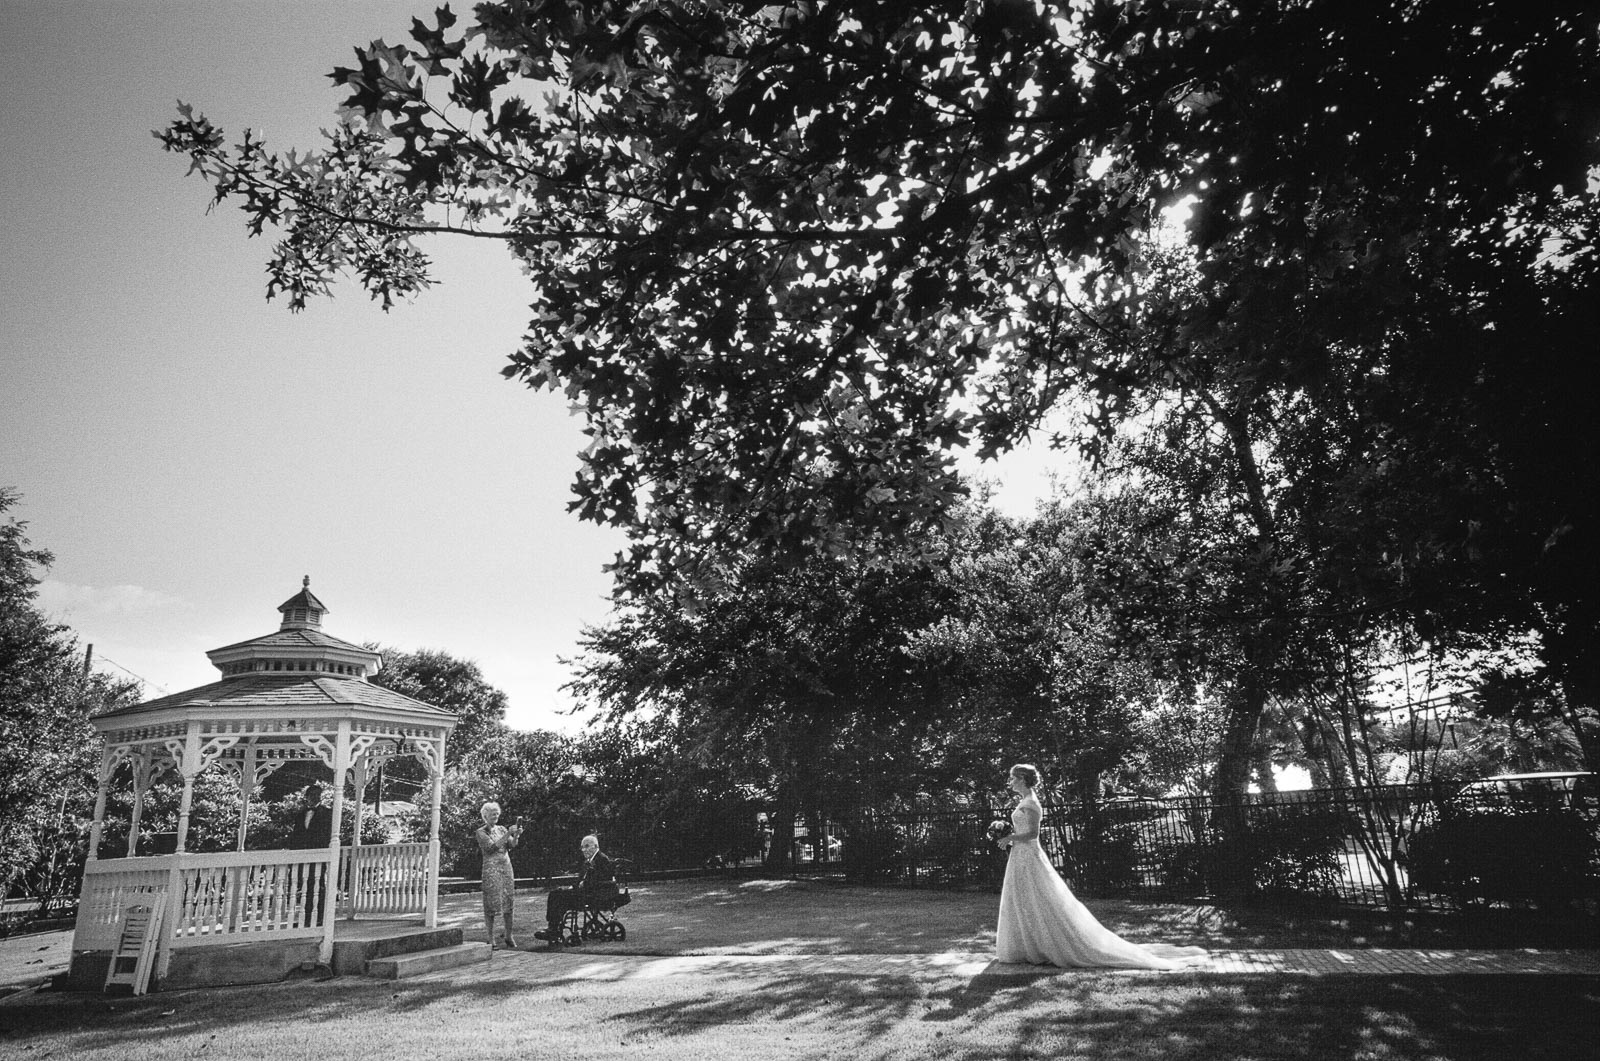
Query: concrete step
point(400, 966)
point(363, 942)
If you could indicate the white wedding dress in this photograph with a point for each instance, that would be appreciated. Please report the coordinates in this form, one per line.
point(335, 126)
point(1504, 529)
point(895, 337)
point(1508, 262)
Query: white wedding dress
point(1043, 923)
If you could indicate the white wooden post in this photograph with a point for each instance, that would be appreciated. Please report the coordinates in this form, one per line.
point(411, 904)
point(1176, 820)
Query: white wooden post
point(188, 766)
point(434, 758)
point(145, 769)
point(247, 786)
point(108, 764)
point(359, 785)
point(169, 923)
point(341, 763)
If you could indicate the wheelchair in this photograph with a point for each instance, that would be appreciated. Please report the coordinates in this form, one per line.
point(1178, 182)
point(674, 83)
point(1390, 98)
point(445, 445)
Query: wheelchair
point(596, 920)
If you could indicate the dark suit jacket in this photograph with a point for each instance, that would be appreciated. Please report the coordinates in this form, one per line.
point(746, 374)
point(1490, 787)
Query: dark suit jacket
point(598, 876)
point(317, 834)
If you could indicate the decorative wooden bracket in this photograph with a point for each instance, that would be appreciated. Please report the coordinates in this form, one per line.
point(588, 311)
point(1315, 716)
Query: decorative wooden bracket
point(323, 747)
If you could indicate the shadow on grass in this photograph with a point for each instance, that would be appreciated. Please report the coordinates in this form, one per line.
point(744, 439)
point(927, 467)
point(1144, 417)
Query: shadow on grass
point(802, 917)
point(868, 1007)
point(1114, 1019)
point(1335, 1018)
point(136, 1020)
point(822, 916)
point(1051, 1014)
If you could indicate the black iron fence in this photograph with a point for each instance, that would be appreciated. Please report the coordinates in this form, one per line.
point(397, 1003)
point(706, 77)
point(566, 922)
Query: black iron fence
point(1533, 843)
point(550, 849)
point(1529, 843)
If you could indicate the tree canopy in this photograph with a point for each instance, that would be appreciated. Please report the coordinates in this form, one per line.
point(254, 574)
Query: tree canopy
point(438, 678)
point(788, 257)
point(48, 750)
point(792, 259)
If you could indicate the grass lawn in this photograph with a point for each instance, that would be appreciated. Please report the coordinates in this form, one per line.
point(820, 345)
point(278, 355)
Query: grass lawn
point(731, 916)
point(533, 1005)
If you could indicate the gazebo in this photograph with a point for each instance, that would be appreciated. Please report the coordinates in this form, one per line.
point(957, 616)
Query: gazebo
point(294, 695)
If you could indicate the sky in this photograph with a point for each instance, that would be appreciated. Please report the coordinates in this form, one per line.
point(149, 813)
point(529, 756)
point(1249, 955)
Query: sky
point(189, 451)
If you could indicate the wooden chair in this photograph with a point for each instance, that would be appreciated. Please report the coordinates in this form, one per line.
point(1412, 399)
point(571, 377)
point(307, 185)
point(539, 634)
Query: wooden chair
point(135, 956)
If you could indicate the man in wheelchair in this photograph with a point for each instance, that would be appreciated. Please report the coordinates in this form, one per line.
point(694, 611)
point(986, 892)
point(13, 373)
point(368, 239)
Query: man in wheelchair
point(588, 910)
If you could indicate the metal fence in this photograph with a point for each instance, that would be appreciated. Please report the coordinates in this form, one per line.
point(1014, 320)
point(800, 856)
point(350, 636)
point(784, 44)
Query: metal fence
point(1398, 847)
point(551, 849)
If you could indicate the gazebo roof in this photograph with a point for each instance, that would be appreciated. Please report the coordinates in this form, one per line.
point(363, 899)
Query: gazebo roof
point(293, 639)
point(268, 692)
point(304, 599)
point(281, 686)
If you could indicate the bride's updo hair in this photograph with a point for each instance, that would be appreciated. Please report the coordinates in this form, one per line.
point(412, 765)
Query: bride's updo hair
point(1027, 773)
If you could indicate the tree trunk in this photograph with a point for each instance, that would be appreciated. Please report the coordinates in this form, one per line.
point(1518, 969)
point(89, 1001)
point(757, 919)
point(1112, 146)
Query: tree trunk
point(1583, 718)
point(1231, 872)
point(784, 809)
point(1262, 766)
point(1237, 753)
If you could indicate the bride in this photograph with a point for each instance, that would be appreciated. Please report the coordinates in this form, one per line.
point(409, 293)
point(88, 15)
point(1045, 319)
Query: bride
point(1042, 922)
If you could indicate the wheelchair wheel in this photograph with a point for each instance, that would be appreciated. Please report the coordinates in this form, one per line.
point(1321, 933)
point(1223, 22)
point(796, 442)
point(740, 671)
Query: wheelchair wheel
point(574, 937)
point(615, 931)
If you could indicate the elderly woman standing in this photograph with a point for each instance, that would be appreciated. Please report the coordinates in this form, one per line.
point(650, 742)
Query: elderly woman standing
point(495, 841)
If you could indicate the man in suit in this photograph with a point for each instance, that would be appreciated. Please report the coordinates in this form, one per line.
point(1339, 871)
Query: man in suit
point(312, 830)
point(598, 881)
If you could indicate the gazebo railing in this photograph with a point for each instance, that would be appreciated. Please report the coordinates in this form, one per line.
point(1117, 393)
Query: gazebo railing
point(109, 888)
point(384, 879)
point(212, 897)
point(239, 896)
point(215, 898)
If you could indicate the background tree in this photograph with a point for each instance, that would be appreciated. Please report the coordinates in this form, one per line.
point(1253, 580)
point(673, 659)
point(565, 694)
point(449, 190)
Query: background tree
point(48, 751)
point(525, 772)
point(449, 682)
point(801, 674)
point(496, 754)
point(1027, 648)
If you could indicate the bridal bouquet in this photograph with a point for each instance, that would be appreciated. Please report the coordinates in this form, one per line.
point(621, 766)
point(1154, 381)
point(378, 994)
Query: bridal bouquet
point(998, 828)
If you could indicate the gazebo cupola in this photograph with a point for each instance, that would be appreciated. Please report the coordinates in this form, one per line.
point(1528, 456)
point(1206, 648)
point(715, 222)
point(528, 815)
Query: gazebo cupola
point(299, 646)
point(302, 611)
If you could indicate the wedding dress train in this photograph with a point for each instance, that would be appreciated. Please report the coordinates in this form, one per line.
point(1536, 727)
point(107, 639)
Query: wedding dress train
point(1042, 922)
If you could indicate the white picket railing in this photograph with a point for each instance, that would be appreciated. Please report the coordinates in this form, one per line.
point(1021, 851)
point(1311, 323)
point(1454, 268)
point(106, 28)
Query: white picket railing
point(212, 897)
point(234, 897)
point(384, 879)
point(110, 886)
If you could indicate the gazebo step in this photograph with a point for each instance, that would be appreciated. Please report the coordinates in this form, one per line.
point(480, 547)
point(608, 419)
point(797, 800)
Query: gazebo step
point(401, 966)
point(360, 942)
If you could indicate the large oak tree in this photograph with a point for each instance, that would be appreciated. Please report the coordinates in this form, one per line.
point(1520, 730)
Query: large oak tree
point(790, 258)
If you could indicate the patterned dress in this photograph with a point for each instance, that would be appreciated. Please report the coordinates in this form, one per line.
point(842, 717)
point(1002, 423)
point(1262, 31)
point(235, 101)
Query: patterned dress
point(498, 880)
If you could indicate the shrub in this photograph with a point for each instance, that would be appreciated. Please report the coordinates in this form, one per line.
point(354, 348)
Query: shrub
point(1285, 850)
point(1298, 849)
point(1476, 856)
point(955, 850)
point(1109, 862)
point(1183, 867)
point(872, 851)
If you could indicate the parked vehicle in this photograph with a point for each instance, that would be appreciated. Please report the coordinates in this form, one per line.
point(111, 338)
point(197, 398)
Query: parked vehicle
point(1511, 839)
point(1155, 818)
point(1543, 788)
